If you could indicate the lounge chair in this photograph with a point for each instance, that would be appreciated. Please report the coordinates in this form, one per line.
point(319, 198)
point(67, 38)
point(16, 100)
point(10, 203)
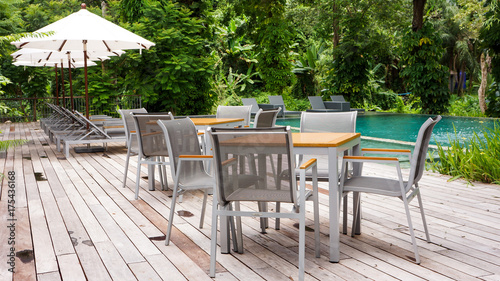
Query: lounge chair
point(278, 102)
point(318, 105)
point(256, 106)
point(338, 101)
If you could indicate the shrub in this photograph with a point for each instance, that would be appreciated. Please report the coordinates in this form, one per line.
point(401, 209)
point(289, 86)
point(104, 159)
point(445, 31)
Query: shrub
point(474, 160)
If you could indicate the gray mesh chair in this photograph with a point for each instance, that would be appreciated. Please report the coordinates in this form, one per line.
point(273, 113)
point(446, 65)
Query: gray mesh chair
point(253, 184)
point(132, 145)
point(405, 190)
point(186, 163)
point(266, 118)
point(239, 111)
point(152, 145)
point(334, 122)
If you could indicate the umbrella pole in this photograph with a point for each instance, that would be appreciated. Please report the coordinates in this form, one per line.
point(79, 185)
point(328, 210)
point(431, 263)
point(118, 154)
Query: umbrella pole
point(57, 86)
point(86, 81)
point(70, 83)
point(62, 82)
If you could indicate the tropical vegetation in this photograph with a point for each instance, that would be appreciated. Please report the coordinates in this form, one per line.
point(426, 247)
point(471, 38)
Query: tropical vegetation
point(421, 56)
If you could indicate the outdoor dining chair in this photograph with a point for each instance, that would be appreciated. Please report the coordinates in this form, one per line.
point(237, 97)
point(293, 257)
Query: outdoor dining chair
point(152, 145)
point(253, 184)
point(318, 105)
point(266, 118)
point(186, 163)
point(405, 190)
point(333, 122)
point(130, 133)
point(238, 111)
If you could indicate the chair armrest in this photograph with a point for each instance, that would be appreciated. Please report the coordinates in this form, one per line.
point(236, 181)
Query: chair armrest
point(229, 162)
point(196, 157)
point(308, 164)
point(370, 159)
point(386, 151)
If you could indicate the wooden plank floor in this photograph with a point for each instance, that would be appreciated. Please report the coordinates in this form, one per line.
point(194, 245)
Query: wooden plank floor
point(74, 221)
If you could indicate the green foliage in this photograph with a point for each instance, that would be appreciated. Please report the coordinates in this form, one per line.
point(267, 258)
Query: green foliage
point(175, 74)
point(473, 160)
point(490, 35)
point(306, 68)
point(493, 100)
point(385, 100)
point(273, 35)
point(424, 76)
point(467, 105)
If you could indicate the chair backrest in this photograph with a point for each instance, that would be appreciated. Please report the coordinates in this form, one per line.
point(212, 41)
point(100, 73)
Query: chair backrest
point(266, 118)
point(236, 182)
point(336, 122)
point(277, 100)
point(316, 102)
point(337, 98)
point(239, 111)
point(251, 102)
point(182, 139)
point(420, 150)
point(149, 134)
point(128, 120)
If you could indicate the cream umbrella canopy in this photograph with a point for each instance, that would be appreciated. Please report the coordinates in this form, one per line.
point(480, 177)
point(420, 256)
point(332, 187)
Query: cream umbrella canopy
point(84, 31)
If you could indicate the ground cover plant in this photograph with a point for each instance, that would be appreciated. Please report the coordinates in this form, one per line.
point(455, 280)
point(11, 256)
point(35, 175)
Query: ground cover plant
point(476, 159)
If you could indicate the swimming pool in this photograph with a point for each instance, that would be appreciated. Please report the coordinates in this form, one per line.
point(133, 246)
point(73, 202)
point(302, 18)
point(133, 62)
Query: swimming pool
point(402, 129)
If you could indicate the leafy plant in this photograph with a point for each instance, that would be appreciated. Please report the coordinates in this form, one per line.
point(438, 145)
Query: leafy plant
point(473, 160)
point(424, 76)
point(467, 105)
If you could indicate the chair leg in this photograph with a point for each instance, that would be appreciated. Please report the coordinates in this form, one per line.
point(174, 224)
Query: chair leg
point(126, 167)
point(419, 197)
point(137, 179)
point(344, 214)
point(412, 233)
point(213, 238)
point(316, 219)
point(302, 241)
point(238, 230)
point(355, 213)
point(205, 196)
point(171, 215)
point(356, 196)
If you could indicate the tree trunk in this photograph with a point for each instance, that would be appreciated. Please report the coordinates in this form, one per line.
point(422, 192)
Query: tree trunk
point(418, 14)
point(336, 36)
point(485, 62)
point(104, 8)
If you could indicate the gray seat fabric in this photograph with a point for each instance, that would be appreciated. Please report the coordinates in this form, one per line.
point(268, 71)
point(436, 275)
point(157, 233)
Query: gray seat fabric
point(239, 111)
point(252, 183)
point(405, 190)
point(266, 118)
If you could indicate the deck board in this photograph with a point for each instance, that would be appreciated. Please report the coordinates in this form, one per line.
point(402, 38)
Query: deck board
point(80, 224)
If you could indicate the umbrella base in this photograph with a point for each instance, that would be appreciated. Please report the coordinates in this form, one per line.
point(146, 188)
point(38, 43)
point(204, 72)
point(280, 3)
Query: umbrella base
point(89, 149)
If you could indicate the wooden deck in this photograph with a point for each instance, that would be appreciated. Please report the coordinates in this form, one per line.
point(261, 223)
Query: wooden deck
point(74, 221)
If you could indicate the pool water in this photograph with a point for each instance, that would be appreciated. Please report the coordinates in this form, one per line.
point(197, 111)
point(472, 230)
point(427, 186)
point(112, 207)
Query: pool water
point(398, 130)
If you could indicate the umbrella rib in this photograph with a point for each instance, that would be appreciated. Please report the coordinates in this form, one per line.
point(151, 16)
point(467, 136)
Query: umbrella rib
point(62, 45)
point(105, 44)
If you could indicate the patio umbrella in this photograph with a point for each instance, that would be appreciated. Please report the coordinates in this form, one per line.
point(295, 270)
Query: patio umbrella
point(41, 56)
point(84, 31)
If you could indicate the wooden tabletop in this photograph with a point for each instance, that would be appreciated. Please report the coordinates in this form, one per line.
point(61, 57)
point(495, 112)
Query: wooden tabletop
point(322, 139)
point(299, 139)
point(214, 121)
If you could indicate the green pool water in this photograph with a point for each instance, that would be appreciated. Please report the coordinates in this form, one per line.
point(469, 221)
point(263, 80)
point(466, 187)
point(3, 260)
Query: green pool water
point(397, 129)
